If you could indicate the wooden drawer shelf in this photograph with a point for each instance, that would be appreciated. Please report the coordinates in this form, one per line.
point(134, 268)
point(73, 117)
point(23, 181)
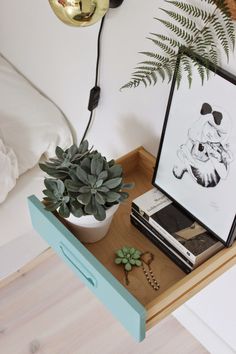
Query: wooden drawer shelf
point(137, 305)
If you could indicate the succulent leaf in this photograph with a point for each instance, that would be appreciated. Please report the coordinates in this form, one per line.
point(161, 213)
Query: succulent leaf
point(120, 253)
point(52, 206)
point(101, 213)
point(115, 171)
point(99, 183)
point(92, 180)
point(103, 175)
point(113, 183)
point(127, 186)
point(128, 267)
point(84, 189)
point(118, 260)
point(72, 186)
point(64, 211)
point(82, 175)
point(125, 250)
point(84, 198)
point(76, 209)
point(112, 197)
point(83, 147)
point(96, 165)
point(59, 152)
point(100, 199)
point(85, 164)
point(103, 189)
point(90, 208)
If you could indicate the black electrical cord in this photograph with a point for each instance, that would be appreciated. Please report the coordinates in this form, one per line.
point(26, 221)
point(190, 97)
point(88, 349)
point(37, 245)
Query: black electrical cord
point(95, 91)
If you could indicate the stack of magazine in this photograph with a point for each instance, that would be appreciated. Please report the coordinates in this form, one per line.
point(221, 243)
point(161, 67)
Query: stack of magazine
point(177, 234)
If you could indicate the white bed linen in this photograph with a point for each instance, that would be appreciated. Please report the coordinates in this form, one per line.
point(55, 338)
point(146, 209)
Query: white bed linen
point(9, 171)
point(30, 126)
point(19, 243)
point(14, 215)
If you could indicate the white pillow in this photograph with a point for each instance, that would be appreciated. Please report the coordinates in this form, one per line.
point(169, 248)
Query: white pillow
point(8, 170)
point(29, 123)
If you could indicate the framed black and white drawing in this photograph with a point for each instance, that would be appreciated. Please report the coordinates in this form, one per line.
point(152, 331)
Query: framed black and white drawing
point(196, 162)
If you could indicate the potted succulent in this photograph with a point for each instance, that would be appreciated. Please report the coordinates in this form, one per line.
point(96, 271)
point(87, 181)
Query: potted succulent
point(85, 189)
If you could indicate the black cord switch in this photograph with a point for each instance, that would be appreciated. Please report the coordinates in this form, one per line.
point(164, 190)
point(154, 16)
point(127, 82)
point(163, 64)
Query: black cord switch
point(94, 98)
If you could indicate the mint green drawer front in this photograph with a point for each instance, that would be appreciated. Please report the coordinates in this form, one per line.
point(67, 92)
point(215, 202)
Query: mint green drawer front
point(97, 278)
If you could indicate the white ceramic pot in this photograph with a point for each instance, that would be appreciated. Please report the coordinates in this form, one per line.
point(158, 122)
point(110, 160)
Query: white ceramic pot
point(90, 230)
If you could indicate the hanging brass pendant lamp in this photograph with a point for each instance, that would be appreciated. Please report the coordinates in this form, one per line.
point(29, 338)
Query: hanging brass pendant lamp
point(82, 13)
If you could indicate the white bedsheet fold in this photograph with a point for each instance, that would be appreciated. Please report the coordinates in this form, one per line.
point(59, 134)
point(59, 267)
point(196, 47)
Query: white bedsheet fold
point(9, 171)
point(31, 126)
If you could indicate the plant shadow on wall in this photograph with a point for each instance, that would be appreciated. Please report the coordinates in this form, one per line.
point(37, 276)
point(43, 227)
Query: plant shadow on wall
point(202, 27)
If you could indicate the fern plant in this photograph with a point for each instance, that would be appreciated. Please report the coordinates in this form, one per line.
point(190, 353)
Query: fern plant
point(204, 28)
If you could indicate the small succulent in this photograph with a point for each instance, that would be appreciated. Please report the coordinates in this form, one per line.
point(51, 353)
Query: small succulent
point(129, 257)
point(83, 183)
point(59, 167)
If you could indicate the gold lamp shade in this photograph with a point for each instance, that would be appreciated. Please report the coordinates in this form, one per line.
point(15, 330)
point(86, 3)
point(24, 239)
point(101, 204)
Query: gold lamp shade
point(79, 13)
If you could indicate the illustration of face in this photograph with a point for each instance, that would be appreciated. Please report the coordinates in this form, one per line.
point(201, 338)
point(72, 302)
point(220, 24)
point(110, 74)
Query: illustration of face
point(206, 155)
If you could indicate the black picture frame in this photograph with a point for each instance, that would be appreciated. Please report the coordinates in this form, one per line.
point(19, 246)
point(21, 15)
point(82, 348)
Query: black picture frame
point(218, 74)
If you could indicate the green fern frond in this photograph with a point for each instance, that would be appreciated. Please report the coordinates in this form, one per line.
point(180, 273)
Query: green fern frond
point(166, 48)
point(182, 20)
point(174, 43)
point(161, 73)
point(147, 69)
point(179, 76)
point(179, 32)
point(154, 77)
point(148, 78)
point(151, 63)
point(137, 79)
point(144, 81)
point(155, 56)
point(201, 71)
point(213, 56)
point(229, 25)
point(190, 9)
point(169, 69)
point(159, 59)
point(128, 85)
point(220, 33)
point(188, 69)
point(204, 31)
point(140, 74)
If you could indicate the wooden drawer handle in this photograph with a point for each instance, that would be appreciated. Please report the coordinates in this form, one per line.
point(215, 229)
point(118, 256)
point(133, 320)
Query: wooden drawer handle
point(78, 265)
